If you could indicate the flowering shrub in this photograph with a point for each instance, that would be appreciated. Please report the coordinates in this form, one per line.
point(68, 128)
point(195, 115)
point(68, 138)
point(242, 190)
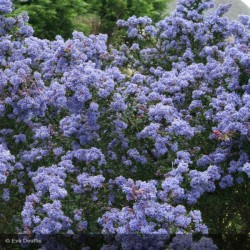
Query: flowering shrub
point(123, 140)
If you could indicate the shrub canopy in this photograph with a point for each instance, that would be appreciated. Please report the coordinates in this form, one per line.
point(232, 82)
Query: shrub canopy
point(144, 138)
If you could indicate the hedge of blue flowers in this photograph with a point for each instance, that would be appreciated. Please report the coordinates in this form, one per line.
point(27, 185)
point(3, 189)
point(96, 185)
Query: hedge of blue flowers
point(125, 139)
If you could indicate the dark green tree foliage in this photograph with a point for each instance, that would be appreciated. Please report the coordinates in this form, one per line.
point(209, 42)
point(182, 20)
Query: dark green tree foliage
point(52, 17)
point(61, 17)
point(110, 11)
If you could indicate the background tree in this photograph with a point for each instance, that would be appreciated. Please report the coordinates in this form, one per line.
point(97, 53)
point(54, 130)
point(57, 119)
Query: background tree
point(53, 17)
point(110, 11)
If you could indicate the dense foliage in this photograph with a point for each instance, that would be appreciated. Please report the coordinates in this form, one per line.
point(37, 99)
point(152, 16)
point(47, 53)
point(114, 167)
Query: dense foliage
point(127, 140)
point(49, 18)
point(110, 11)
point(61, 17)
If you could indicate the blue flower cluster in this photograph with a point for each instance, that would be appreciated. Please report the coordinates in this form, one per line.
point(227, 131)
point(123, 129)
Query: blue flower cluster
point(124, 140)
